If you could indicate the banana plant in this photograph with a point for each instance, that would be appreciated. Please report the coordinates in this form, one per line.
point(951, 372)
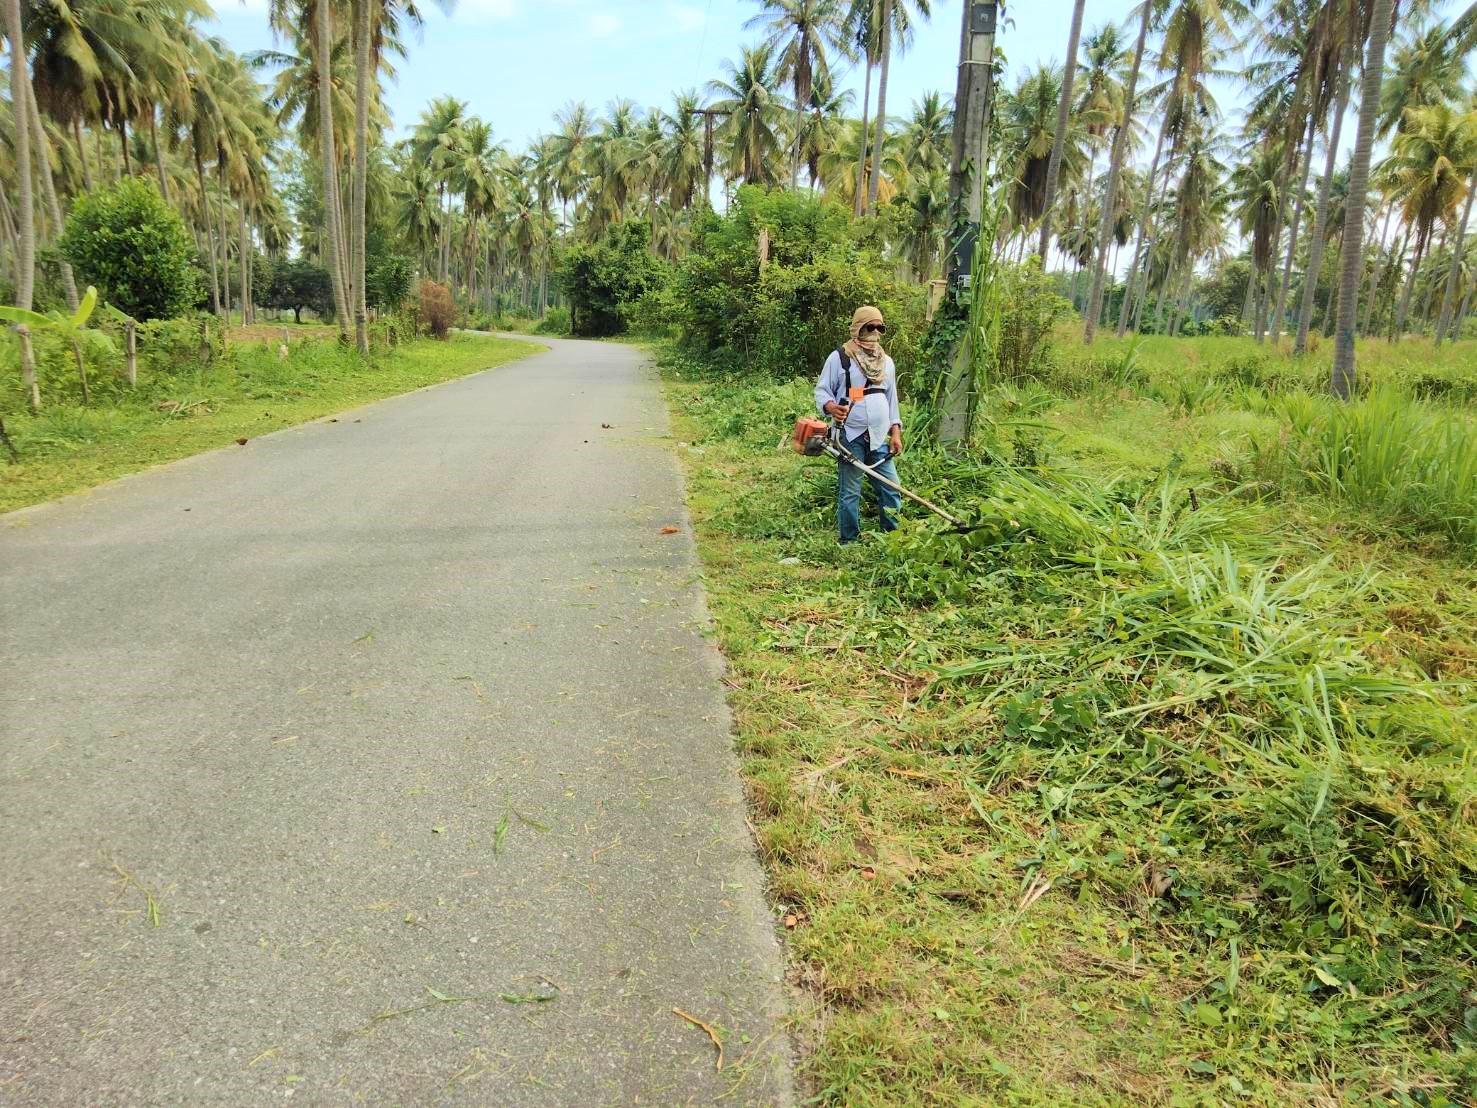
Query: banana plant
point(71, 328)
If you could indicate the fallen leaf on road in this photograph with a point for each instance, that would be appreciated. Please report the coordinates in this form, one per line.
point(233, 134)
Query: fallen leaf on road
point(606, 426)
point(525, 998)
point(711, 1033)
point(438, 830)
point(242, 442)
point(668, 531)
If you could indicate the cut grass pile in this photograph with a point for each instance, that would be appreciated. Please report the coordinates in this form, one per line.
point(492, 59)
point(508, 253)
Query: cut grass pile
point(1152, 789)
point(187, 408)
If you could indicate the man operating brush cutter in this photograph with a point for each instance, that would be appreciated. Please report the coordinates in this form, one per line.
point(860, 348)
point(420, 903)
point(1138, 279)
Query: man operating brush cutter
point(858, 389)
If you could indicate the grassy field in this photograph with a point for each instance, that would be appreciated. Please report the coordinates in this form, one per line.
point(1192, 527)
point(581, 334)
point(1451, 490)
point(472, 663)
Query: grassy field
point(183, 408)
point(1156, 789)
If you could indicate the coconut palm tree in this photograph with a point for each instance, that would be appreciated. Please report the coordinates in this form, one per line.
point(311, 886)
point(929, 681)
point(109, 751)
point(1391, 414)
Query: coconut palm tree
point(570, 145)
point(928, 136)
point(682, 151)
point(1122, 132)
point(800, 32)
point(823, 125)
point(434, 141)
point(925, 203)
point(1459, 250)
point(1059, 132)
point(893, 20)
point(751, 129)
point(614, 153)
point(1195, 32)
point(26, 263)
point(1423, 71)
point(1352, 256)
point(1428, 164)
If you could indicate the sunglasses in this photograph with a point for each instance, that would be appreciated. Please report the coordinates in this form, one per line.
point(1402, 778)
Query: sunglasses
point(881, 329)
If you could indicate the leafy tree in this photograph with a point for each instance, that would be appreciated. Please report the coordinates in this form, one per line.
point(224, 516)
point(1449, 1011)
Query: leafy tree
point(134, 247)
point(299, 284)
point(605, 280)
point(388, 281)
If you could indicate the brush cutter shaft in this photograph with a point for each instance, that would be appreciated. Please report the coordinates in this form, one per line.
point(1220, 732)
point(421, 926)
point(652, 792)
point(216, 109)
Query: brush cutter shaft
point(836, 450)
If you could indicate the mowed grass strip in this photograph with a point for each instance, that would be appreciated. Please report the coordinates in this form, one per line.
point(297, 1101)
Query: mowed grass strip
point(250, 391)
point(993, 896)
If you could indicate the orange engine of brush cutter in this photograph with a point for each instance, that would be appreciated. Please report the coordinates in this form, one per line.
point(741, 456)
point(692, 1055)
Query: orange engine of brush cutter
point(809, 436)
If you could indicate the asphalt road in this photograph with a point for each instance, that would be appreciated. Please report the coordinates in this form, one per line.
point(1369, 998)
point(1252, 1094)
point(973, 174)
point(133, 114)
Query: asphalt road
point(382, 760)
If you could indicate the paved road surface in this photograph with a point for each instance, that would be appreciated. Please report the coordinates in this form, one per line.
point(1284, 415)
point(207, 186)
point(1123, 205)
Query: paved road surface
point(415, 700)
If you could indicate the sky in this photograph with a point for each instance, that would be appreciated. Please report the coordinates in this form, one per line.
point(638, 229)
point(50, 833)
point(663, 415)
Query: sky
point(518, 61)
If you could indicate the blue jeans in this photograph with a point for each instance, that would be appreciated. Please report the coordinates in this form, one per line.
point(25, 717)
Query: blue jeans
point(849, 489)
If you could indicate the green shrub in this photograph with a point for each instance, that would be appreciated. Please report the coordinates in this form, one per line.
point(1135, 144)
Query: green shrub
point(555, 322)
point(786, 316)
point(388, 280)
point(604, 281)
point(1031, 307)
point(134, 247)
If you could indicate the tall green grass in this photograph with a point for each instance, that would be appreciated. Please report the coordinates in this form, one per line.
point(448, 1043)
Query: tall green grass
point(1386, 453)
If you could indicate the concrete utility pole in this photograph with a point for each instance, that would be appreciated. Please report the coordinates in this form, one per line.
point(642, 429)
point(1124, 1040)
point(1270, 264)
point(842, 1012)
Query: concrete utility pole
point(972, 99)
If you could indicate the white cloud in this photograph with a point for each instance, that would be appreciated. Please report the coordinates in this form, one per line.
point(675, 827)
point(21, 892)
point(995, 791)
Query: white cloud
point(603, 24)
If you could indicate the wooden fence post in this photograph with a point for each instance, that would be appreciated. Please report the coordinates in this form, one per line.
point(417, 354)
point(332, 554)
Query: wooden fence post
point(130, 351)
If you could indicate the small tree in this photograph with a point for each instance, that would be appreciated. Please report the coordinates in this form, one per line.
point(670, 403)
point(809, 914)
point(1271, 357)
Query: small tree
point(388, 282)
point(296, 285)
point(603, 281)
point(134, 247)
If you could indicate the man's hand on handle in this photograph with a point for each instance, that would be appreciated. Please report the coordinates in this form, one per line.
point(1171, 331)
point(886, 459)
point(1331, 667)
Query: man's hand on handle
point(895, 441)
point(838, 411)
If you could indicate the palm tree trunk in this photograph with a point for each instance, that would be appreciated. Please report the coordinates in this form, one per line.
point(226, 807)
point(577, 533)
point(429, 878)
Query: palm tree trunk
point(1320, 214)
point(880, 134)
point(82, 155)
point(225, 240)
point(1353, 249)
point(243, 264)
point(1292, 236)
point(1397, 331)
point(859, 200)
point(123, 147)
point(1425, 314)
point(158, 156)
point(215, 288)
point(1381, 266)
point(25, 209)
point(1247, 300)
point(1461, 313)
point(1130, 279)
point(322, 59)
point(1151, 241)
point(1377, 270)
point(357, 245)
point(1458, 252)
point(42, 147)
point(1059, 139)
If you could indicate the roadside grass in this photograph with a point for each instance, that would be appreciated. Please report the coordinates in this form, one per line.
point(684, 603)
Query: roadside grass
point(189, 408)
point(1157, 789)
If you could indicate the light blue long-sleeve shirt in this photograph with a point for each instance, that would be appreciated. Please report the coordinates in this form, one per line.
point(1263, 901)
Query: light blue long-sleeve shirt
point(833, 386)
